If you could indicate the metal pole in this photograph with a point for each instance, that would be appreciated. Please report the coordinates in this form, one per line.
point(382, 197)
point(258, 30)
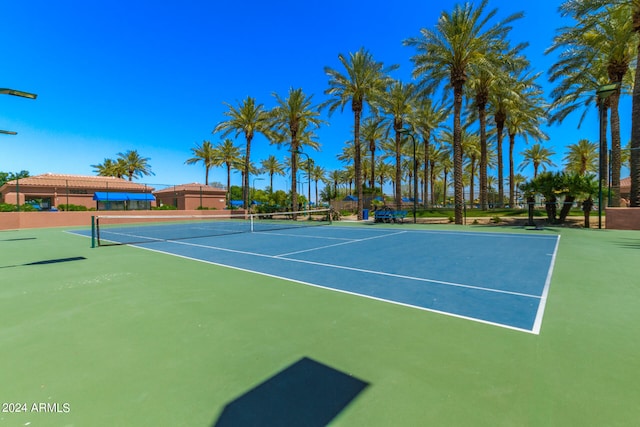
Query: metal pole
point(93, 231)
point(17, 194)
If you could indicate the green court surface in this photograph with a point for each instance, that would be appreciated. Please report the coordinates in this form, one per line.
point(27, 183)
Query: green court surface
point(120, 336)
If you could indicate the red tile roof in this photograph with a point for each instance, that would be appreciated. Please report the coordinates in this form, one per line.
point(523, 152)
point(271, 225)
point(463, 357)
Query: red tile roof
point(192, 187)
point(81, 181)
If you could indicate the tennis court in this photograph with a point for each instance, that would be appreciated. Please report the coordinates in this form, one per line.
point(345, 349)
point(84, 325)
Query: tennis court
point(128, 336)
point(496, 278)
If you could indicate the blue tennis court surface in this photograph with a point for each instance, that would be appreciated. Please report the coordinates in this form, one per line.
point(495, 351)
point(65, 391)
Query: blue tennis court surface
point(496, 278)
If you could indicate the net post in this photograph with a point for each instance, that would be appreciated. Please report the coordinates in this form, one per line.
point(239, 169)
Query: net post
point(251, 222)
point(93, 231)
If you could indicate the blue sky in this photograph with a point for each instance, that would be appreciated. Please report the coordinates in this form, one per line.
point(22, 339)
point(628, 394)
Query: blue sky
point(152, 76)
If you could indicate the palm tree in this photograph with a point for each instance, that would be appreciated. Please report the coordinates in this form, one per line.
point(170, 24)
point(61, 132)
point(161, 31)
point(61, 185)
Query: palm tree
point(582, 157)
point(608, 42)
point(372, 132)
point(525, 119)
point(294, 120)
point(488, 85)
point(397, 102)
point(248, 119)
point(384, 172)
point(538, 156)
point(472, 150)
point(427, 118)
point(446, 53)
point(135, 165)
point(363, 81)
point(272, 166)
point(110, 167)
point(598, 11)
point(501, 101)
point(317, 173)
point(226, 153)
point(203, 153)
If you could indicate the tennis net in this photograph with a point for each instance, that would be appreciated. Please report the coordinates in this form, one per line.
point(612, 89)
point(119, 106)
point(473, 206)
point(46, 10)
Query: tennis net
point(132, 229)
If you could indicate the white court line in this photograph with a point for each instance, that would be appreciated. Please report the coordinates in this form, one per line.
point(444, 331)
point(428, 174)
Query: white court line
point(537, 324)
point(339, 244)
point(315, 285)
point(360, 270)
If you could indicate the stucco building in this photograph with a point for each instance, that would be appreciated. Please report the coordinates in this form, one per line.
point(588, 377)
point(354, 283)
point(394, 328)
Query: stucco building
point(191, 196)
point(51, 190)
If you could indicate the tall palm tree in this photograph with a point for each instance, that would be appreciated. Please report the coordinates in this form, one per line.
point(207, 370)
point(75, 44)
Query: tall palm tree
point(317, 173)
point(525, 119)
point(135, 165)
point(272, 166)
point(397, 102)
point(598, 10)
point(372, 132)
point(247, 118)
point(582, 157)
point(384, 172)
point(227, 154)
point(428, 117)
point(445, 55)
point(609, 42)
point(292, 118)
point(538, 156)
point(487, 84)
point(364, 79)
point(203, 153)
point(472, 150)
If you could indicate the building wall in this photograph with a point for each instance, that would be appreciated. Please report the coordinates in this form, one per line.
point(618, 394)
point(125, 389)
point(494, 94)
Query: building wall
point(20, 220)
point(623, 218)
point(191, 200)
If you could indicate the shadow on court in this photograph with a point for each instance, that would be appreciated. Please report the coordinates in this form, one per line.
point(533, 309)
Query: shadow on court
point(46, 261)
point(17, 239)
point(307, 393)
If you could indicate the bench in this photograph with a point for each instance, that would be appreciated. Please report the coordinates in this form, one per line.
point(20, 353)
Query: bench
point(388, 215)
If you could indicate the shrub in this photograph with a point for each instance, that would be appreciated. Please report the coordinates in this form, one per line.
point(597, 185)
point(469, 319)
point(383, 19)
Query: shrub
point(72, 207)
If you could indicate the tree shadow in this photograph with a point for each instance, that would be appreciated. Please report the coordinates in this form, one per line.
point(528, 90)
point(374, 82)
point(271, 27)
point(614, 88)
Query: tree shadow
point(307, 393)
point(630, 243)
point(46, 261)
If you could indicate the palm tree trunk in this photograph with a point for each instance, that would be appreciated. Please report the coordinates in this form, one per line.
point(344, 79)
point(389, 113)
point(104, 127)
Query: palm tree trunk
point(482, 115)
point(372, 179)
point(398, 180)
point(357, 161)
point(603, 166)
point(512, 144)
point(228, 195)
point(500, 119)
point(294, 178)
point(635, 123)
point(471, 182)
point(457, 152)
point(245, 176)
point(425, 185)
point(615, 149)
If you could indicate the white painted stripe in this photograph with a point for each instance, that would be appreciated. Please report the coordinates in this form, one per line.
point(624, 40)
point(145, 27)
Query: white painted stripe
point(446, 313)
point(339, 244)
point(360, 270)
point(537, 324)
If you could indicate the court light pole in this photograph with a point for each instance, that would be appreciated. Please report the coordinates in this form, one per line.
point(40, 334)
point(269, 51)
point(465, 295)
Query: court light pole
point(603, 92)
point(13, 92)
point(254, 186)
point(415, 171)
